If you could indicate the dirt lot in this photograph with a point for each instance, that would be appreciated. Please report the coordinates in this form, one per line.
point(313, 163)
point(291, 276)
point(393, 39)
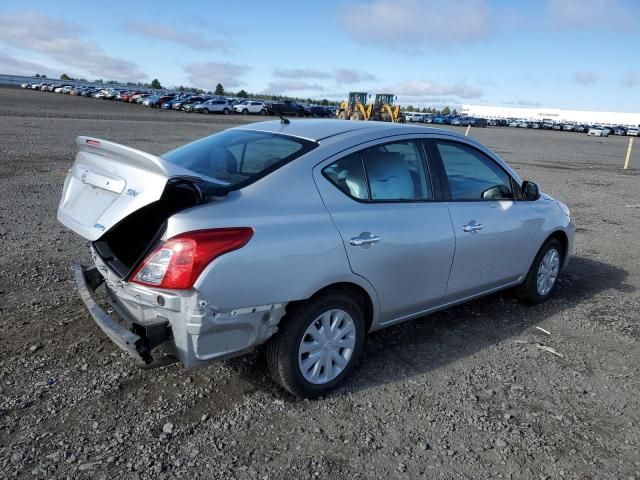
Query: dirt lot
point(466, 393)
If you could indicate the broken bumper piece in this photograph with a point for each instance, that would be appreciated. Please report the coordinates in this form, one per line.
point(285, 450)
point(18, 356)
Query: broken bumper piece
point(138, 346)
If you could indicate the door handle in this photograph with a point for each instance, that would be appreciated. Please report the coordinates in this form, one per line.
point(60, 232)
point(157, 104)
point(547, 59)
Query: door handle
point(365, 238)
point(472, 227)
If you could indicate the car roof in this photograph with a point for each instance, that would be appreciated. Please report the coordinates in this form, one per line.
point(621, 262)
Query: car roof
point(321, 129)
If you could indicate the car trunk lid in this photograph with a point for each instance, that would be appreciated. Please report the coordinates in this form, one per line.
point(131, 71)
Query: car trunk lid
point(108, 182)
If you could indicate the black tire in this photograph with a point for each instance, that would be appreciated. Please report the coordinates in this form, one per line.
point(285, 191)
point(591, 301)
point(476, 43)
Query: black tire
point(282, 349)
point(225, 111)
point(245, 111)
point(263, 112)
point(205, 111)
point(528, 290)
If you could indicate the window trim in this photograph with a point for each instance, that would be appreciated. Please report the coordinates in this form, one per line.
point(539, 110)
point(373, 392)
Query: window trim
point(435, 194)
point(446, 188)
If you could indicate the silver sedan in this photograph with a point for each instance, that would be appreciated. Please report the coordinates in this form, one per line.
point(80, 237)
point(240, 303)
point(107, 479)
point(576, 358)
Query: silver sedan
point(304, 236)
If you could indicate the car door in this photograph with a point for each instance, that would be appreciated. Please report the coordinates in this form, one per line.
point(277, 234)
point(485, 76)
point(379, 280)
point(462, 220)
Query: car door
point(396, 230)
point(494, 230)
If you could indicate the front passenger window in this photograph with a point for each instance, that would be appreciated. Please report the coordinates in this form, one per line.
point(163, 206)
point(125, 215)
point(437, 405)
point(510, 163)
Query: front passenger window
point(472, 175)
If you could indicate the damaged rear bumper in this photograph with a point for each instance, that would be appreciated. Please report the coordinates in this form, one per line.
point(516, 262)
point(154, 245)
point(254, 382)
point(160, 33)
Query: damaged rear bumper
point(138, 346)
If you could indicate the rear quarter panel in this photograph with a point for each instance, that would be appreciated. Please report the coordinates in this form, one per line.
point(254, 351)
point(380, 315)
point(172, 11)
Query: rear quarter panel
point(294, 252)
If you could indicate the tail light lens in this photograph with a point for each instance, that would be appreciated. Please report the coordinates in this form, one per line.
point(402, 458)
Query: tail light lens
point(178, 262)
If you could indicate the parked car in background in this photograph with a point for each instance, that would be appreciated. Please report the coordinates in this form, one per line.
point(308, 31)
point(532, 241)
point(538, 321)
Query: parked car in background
point(208, 259)
point(598, 132)
point(287, 107)
point(620, 131)
point(250, 106)
point(632, 131)
point(214, 105)
point(316, 111)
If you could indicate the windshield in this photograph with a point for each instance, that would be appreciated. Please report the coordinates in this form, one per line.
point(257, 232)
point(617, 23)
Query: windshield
point(239, 157)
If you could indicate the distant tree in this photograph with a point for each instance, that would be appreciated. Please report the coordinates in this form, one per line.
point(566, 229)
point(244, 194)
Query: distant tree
point(37, 75)
point(446, 111)
point(98, 80)
point(181, 88)
point(155, 83)
point(454, 112)
point(219, 90)
point(64, 76)
point(324, 102)
point(243, 94)
point(43, 76)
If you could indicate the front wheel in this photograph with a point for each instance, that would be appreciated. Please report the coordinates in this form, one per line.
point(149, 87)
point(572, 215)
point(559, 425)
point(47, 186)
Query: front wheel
point(318, 344)
point(205, 111)
point(225, 111)
point(542, 278)
point(263, 112)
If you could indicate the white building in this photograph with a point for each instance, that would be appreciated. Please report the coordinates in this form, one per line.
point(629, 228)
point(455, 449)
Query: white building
point(554, 114)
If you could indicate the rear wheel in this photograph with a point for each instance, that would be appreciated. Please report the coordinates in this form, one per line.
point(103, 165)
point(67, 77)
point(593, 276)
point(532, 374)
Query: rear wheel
point(542, 278)
point(356, 116)
point(263, 112)
point(318, 344)
point(205, 111)
point(225, 111)
point(342, 115)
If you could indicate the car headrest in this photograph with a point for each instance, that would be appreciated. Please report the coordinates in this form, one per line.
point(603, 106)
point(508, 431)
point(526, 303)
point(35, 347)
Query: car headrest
point(222, 161)
point(389, 175)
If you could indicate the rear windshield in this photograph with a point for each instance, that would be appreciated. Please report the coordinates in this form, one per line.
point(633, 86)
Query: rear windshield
point(239, 157)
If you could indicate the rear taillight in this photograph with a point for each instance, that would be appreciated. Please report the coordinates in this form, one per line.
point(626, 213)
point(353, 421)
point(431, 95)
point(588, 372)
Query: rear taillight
point(178, 262)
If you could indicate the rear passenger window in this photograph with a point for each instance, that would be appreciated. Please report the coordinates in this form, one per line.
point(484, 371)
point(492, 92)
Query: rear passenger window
point(395, 171)
point(390, 172)
point(348, 175)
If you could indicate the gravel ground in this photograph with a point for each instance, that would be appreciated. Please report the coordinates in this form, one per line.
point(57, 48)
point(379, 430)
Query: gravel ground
point(466, 393)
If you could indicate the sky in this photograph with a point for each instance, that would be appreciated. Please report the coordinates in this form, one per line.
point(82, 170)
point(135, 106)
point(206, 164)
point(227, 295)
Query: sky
point(574, 54)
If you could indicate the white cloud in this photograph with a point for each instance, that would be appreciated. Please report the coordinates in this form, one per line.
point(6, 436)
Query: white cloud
point(631, 80)
point(349, 76)
point(411, 24)
point(426, 88)
point(585, 78)
point(612, 15)
point(298, 73)
point(340, 75)
point(285, 86)
point(16, 66)
point(209, 74)
point(35, 31)
point(191, 39)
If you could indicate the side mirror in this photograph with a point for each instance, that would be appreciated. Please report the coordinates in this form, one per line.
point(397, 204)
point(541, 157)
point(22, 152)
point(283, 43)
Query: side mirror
point(530, 191)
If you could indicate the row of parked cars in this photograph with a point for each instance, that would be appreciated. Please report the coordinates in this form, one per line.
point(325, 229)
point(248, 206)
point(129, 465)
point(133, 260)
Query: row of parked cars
point(188, 101)
point(463, 121)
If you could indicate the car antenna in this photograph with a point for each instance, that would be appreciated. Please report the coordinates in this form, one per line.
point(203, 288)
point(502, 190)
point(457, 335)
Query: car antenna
point(284, 121)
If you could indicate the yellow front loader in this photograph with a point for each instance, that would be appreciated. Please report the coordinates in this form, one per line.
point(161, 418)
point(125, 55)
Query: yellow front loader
point(385, 111)
point(356, 108)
